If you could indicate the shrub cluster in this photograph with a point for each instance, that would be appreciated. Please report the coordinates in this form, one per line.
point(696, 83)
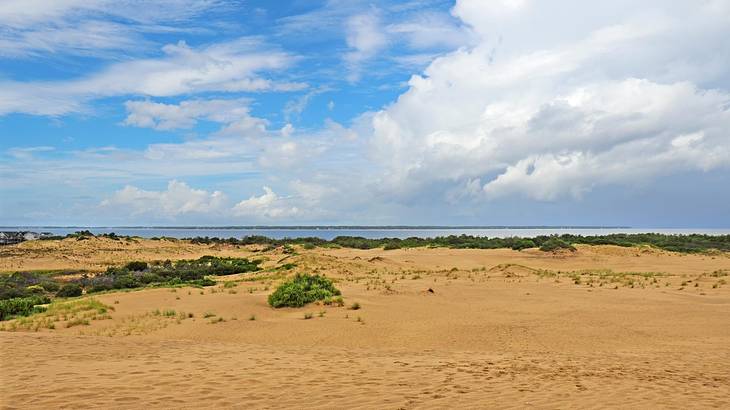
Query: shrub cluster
point(70, 290)
point(303, 289)
point(194, 272)
point(554, 244)
point(676, 243)
point(10, 308)
point(26, 284)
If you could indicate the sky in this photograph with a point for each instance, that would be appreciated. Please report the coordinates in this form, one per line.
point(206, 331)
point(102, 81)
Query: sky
point(466, 112)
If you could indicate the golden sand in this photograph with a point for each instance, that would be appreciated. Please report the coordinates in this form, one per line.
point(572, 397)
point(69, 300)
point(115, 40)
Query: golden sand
point(501, 329)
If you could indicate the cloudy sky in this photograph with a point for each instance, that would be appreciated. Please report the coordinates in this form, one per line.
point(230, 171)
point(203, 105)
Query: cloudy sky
point(474, 112)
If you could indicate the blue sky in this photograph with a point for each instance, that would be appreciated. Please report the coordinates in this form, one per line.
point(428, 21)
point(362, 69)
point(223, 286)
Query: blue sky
point(468, 112)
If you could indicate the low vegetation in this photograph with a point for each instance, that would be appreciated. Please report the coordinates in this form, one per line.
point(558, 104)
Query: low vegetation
point(676, 243)
point(22, 292)
point(67, 313)
point(301, 290)
point(15, 307)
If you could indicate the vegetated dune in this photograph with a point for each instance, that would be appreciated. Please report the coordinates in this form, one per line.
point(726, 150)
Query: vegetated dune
point(600, 327)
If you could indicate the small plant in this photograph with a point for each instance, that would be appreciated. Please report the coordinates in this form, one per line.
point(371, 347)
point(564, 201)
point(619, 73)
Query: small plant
point(230, 284)
point(252, 318)
point(321, 313)
point(355, 306)
point(77, 322)
point(169, 313)
point(208, 314)
point(308, 316)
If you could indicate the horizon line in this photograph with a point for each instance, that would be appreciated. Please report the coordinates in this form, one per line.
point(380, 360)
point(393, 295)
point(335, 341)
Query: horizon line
point(363, 227)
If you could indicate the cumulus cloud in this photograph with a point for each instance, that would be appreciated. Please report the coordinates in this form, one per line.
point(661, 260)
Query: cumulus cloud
point(564, 113)
point(224, 67)
point(428, 30)
point(178, 199)
point(268, 205)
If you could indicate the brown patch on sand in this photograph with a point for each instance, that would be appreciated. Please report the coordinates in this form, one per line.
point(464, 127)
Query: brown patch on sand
point(502, 329)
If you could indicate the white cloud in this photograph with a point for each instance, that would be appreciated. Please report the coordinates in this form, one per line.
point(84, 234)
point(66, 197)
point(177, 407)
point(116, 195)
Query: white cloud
point(178, 199)
point(234, 114)
point(429, 30)
point(600, 103)
point(267, 206)
point(89, 27)
point(226, 67)
point(366, 38)
point(27, 152)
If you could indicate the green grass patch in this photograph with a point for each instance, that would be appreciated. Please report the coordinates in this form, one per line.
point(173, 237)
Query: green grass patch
point(301, 290)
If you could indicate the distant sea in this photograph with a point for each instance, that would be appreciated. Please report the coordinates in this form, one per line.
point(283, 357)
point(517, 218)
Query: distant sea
point(329, 232)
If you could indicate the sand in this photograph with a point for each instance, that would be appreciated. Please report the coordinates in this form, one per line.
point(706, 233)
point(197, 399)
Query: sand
point(501, 329)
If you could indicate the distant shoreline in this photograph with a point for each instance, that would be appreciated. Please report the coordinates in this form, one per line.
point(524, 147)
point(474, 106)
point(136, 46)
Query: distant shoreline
point(343, 227)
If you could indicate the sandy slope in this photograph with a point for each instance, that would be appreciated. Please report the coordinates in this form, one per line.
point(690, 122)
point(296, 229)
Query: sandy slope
point(494, 333)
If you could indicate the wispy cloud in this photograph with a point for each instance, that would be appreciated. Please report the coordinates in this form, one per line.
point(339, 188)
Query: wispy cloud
point(33, 28)
point(234, 66)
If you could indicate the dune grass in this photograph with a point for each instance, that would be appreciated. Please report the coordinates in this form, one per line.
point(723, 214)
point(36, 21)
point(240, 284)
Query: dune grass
point(69, 312)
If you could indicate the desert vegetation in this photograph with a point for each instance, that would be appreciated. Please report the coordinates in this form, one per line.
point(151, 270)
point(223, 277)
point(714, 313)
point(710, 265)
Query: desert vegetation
point(676, 243)
point(22, 293)
point(301, 290)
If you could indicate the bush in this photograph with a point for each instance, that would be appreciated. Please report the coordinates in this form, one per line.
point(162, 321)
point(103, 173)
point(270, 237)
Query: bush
point(391, 246)
point(21, 306)
point(302, 289)
point(523, 244)
point(35, 289)
point(50, 286)
point(554, 244)
point(69, 290)
point(136, 266)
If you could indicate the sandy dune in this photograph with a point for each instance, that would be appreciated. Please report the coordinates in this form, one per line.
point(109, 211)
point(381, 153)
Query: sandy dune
point(501, 329)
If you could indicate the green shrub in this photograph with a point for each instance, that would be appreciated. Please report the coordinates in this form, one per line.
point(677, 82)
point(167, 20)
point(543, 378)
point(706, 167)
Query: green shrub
point(392, 246)
point(523, 244)
point(69, 290)
point(35, 289)
point(50, 286)
point(302, 289)
point(554, 244)
point(21, 306)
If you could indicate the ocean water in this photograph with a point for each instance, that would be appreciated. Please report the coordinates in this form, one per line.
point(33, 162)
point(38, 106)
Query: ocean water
point(373, 233)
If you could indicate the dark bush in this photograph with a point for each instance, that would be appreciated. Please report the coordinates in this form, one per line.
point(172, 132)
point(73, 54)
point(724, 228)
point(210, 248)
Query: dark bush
point(302, 289)
point(69, 290)
point(126, 282)
point(554, 244)
point(391, 246)
point(136, 266)
point(523, 244)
